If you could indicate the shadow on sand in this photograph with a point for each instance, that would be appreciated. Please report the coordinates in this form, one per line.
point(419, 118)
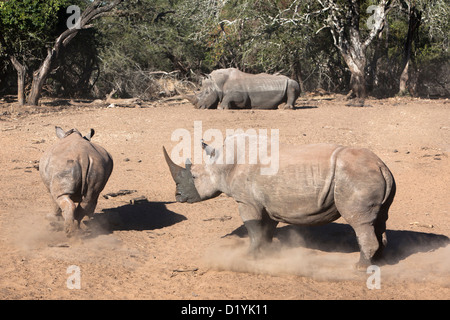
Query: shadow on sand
point(304, 107)
point(337, 237)
point(143, 215)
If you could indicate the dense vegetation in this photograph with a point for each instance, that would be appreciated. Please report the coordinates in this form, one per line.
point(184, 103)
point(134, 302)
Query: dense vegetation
point(335, 45)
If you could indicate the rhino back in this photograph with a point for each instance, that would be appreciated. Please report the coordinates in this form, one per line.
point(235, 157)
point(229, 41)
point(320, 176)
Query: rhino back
point(75, 165)
point(263, 90)
point(301, 191)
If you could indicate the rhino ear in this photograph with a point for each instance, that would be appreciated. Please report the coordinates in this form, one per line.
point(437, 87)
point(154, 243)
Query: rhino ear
point(210, 151)
point(89, 136)
point(60, 132)
point(188, 163)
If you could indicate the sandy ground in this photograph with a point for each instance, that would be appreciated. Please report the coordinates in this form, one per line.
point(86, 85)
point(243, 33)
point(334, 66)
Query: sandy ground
point(143, 245)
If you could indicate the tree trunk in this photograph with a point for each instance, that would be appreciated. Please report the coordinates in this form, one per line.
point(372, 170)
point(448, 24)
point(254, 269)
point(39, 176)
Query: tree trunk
point(415, 17)
point(358, 84)
point(296, 73)
point(356, 62)
point(39, 78)
point(403, 80)
point(344, 23)
point(21, 74)
point(92, 12)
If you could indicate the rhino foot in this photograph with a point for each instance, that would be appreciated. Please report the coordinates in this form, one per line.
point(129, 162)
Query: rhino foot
point(361, 266)
point(72, 228)
point(287, 107)
point(261, 234)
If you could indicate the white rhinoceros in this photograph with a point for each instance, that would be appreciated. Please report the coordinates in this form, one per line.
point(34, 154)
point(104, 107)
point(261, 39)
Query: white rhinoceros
point(315, 184)
point(231, 88)
point(75, 170)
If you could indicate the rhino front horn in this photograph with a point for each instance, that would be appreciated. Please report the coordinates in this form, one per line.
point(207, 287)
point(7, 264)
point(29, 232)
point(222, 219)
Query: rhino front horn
point(191, 98)
point(174, 169)
point(185, 191)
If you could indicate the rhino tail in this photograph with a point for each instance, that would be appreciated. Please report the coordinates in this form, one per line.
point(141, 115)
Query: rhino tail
point(390, 184)
point(328, 187)
point(85, 167)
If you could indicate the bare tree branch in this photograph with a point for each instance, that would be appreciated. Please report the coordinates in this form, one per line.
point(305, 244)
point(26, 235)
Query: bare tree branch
point(94, 11)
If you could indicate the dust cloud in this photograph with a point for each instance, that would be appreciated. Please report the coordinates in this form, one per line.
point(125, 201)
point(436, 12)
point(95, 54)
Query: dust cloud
point(284, 259)
point(38, 233)
point(406, 260)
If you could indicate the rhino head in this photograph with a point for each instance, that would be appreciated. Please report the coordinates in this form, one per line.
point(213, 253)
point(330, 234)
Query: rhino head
point(60, 133)
point(207, 98)
point(194, 183)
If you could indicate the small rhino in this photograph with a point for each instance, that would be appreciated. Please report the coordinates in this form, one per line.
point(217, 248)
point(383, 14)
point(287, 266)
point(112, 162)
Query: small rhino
point(75, 170)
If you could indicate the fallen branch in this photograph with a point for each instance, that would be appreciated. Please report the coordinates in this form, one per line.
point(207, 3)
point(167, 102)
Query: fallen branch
point(421, 224)
point(118, 193)
point(222, 219)
point(185, 270)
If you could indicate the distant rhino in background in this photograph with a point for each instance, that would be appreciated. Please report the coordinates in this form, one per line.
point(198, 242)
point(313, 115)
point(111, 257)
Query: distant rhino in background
point(75, 170)
point(315, 184)
point(231, 88)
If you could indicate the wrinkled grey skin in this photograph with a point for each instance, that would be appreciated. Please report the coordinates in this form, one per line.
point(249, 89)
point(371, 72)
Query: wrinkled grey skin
point(315, 184)
point(75, 170)
point(231, 88)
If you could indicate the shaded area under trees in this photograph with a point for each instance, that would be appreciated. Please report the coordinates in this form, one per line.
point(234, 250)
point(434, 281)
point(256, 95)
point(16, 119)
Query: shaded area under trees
point(400, 47)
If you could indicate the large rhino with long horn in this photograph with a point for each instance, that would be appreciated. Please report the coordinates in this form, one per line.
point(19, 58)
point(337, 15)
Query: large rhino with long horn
point(231, 88)
point(74, 170)
point(315, 184)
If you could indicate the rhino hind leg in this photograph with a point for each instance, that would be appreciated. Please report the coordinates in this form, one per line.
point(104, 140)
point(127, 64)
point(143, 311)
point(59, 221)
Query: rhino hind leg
point(56, 213)
point(369, 224)
point(363, 194)
point(85, 208)
point(369, 245)
point(368, 220)
point(68, 211)
point(292, 92)
point(380, 223)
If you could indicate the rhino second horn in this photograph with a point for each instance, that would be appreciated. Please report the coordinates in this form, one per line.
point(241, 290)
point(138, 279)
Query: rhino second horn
point(174, 169)
point(210, 151)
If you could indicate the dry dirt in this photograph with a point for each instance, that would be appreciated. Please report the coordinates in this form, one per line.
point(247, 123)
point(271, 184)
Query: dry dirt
point(143, 245)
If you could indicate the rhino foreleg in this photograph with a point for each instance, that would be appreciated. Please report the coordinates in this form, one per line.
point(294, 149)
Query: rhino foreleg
point(236, 99)
point(259, 226)
point(225, 104)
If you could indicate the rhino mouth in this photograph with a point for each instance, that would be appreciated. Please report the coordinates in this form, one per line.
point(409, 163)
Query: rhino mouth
point(185, 190)
point(179, 197)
